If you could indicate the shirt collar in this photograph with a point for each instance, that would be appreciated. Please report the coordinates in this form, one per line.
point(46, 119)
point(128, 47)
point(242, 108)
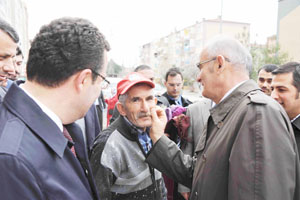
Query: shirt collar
point(229, 92)
point(220, 111)
point(295, 118)
point(46, 110)
point(139, 130)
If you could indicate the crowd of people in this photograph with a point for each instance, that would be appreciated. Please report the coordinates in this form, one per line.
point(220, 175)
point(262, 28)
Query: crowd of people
point(239, 142)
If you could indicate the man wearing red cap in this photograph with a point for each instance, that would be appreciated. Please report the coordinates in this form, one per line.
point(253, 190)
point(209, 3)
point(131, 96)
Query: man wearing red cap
point(119, 153)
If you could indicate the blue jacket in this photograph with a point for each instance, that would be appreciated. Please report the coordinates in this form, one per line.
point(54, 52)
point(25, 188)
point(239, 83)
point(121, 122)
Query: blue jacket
point(35, 160)
point(92, 126)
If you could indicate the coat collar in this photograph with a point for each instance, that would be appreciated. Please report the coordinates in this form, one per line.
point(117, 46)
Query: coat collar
point(21, 105)
point(125, 129)
point(220, 111)
point(296, 123)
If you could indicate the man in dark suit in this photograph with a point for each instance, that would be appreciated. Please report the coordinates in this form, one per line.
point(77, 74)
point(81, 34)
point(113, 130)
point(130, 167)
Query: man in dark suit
point(174, 85)
point(42, 152)
point(286, 90)
point(8, 47)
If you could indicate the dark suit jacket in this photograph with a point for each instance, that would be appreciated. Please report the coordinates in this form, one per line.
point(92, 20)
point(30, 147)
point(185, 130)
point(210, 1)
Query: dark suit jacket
point(35, 160)
point(92, 126)
point(185, 102)
point(296, 128)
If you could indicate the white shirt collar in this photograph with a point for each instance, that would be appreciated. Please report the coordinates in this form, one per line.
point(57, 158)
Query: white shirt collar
point(295, 118)
point(229, 92)
point(46, 110)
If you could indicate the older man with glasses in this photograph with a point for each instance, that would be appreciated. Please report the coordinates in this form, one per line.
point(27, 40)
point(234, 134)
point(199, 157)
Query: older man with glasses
point(247, 150)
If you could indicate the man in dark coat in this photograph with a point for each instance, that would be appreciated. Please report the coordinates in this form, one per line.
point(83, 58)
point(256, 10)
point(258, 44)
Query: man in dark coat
point(247, 150)
point(42, 152)
point(286, 91)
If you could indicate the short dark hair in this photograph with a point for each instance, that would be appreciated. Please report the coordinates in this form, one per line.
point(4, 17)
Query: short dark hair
point(64, 47)
point(268, 68)
point(173, 72)
point(7, 28)
point(19, 52)
point(290, 67)
point(141, 67)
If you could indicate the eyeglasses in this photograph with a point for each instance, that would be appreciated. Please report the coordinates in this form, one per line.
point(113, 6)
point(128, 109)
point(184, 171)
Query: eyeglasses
point(105, 83)
point(199, 65)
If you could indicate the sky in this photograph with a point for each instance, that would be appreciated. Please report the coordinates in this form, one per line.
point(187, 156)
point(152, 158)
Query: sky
point(129, 24)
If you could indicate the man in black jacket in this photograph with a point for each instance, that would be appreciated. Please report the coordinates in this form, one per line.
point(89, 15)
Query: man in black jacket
point(174, 85)
point(286, 90)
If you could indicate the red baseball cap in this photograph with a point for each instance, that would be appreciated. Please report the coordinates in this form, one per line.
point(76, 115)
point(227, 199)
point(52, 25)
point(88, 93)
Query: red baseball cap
point(130, 80)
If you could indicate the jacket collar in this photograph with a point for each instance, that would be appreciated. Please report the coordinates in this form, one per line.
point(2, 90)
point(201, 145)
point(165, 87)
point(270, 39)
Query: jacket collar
point(125, 129)
point(21, 105)
point(296, 123)
point(220, 111)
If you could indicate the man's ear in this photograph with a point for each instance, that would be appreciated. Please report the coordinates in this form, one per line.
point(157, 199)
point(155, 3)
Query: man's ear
point(121, 108)
point(155, 100)
point(221, 63)
point(82, 78)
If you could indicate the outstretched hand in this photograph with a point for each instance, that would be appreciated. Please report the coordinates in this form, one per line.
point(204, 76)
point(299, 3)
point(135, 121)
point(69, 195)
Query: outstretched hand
point(159, 121)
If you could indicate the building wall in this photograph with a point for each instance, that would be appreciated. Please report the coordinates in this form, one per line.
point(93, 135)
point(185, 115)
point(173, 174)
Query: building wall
point(289, 33)
point(182, 48)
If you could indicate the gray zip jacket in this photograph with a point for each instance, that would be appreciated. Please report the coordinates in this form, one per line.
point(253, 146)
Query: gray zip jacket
point(119, 167)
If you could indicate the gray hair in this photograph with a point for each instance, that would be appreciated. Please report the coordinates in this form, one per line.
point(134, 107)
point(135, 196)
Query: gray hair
point(122, 98)
point(232, 49)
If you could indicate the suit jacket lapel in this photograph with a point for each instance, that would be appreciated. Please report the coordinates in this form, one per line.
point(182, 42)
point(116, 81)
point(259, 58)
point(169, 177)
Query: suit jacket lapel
point(82, 156)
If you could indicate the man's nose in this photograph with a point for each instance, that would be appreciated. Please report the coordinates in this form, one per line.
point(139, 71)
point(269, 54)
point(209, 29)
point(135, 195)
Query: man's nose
point(265, 84)
point(144, 106)
point(10, 70)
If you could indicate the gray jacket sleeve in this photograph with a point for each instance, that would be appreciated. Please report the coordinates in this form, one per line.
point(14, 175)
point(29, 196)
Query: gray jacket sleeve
point(169, 159)
point(198, 113)
point(104, 177)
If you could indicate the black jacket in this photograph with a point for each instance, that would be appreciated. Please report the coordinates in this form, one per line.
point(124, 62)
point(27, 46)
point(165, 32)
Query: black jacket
point(185, 102)
point(296, 128)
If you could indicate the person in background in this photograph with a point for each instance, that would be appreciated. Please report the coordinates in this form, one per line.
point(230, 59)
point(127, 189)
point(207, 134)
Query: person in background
point(18, 62)
point(119, 153)
point(42, 152)
point(264, 78)
point(8, 46)
point(148, 73)
point(198, 113)
point(247, 150)
point(286, 91)
point(174, 85)
point(18, 67)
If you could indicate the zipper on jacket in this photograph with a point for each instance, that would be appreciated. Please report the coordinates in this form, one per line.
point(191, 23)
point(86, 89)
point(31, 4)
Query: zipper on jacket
point(151, 169)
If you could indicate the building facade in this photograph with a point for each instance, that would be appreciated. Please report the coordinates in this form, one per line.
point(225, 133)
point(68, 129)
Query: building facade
point(288, 30)
point(182, 48)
